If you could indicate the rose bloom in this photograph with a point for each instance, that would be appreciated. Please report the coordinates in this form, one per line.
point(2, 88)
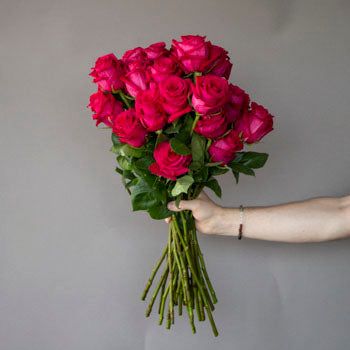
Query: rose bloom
point(192, 51)
point(128, 128)
point(135, 59)
point(156, 50)
point(238, 103)
point(163, 67)
point(149, 109)
point(255, 123)
point(224, 149)
point(210, 93)
point(218, 62)
point(168, 163)
point(105, 107)
point(211, 126)
point(136, 80)
point(174, 92)
point(107, 73)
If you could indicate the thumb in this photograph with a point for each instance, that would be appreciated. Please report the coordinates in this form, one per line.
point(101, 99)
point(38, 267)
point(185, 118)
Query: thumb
point(183, 205)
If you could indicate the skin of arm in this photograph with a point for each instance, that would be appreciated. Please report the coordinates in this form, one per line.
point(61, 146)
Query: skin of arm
point(311, 220)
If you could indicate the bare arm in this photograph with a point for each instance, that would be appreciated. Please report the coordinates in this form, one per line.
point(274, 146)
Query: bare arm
point(312, 220)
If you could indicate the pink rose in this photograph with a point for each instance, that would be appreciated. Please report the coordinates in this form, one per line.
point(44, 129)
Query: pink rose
point(168, 163)
point(156, 50)
point(163, 67)
point(129, 129)
point(174, 92)
point(105, 107)
point(135, 81)
point(192, 51)
point(135, 59)
point(107, 73)
point(149, 109)
point(211, 126)
point(238, 102)
point(218, 62)
point(224, 150)
point(255, 123)
point(210, 93)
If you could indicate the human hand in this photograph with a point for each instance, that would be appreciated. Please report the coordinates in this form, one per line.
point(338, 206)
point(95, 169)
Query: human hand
point(209, 216)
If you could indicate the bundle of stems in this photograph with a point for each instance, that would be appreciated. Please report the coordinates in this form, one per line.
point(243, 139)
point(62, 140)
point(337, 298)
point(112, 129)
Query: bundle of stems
point(184, 282)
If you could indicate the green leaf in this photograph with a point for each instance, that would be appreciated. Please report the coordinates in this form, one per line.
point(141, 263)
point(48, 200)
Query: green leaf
point(115, 140)
point(142, 196)
point(236, 175)
point(240, 168)
point(214, 186)
point(143, 201)
point(119, 171)
point(201, 174)
point(124, 162)
point(159, 212)
point(218, 170)
point(160, 138)
point(179, 147)
point(185, 130)
point(143, 163)
point(182, 185)
point(254, 160)
point(130, 151)
point(198, 148)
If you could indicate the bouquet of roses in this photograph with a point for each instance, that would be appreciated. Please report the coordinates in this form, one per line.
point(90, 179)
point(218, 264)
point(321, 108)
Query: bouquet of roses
point(176, 124)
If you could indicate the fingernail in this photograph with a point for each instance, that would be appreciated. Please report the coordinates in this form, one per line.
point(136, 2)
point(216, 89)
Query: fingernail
point(171, 205)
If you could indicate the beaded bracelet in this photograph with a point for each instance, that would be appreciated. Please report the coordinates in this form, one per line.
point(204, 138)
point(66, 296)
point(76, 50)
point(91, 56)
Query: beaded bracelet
point(241, 213)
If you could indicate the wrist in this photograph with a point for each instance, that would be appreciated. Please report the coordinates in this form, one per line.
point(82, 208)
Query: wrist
point(227, 221)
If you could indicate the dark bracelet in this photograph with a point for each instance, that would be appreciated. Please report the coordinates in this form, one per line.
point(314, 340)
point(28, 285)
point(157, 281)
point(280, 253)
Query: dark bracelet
point(240, 230)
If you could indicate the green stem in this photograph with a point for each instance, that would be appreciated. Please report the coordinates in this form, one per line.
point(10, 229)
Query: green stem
point(124, 99)
point(204, 270)
point(164, 296)
point(171, 306)
point(184, 276)
point(154, 271)
point(193, 273)
point(155, 293)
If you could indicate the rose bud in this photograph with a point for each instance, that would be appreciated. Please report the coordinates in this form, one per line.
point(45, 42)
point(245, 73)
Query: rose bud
point(218, 62)
point(135, 59)
point(107, 73)
point(224, 150)
point(135, 81)
point(128, 128)
point(156, 50)
point(211, 126)
point(149, 109)
point(163, 67)
point(174, 92)
point(192, 51)
point(238, 103)
point(168, 163)
point(255, 123)
point(210, 93)
point(105, 107)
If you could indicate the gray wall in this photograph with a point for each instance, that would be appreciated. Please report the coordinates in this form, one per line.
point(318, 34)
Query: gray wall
point(73, 258)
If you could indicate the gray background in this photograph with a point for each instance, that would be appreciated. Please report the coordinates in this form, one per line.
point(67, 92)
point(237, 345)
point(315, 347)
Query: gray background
point(73, 258)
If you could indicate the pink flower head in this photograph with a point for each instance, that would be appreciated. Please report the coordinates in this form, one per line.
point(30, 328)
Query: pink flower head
point(255, 123)
point(107, 73)
point(128, 128)
point(224, 149)
point(168, 163)
point(105, 107)
point(174, 92)
point(149, 109)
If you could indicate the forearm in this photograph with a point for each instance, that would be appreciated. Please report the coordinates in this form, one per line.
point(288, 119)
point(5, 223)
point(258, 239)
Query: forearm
point(312, 220)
